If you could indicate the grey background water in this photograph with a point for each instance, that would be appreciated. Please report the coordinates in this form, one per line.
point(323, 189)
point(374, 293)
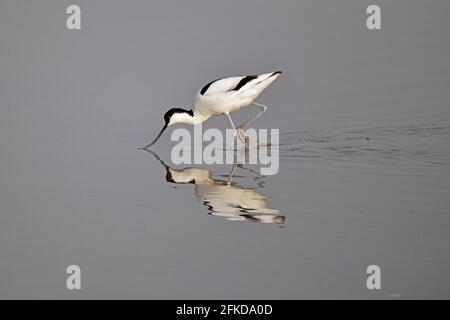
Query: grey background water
point(365, 156)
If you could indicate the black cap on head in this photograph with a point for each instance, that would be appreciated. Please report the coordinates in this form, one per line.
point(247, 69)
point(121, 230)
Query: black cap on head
point(170, 113)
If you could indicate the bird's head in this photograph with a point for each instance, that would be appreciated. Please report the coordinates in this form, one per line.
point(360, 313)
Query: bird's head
point(178, 115)
point(171, 117)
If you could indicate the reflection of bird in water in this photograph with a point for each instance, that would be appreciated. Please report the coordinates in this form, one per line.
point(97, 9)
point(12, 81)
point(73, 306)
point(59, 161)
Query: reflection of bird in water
point(225, 199)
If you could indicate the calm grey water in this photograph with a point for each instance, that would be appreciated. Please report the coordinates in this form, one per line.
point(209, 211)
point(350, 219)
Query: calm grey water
point(364, 151)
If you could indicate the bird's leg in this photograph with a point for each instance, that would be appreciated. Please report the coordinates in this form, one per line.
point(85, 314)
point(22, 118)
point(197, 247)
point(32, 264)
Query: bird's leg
point(263, 109)
point(240, 135)
point(242, 126)
point(230, 176)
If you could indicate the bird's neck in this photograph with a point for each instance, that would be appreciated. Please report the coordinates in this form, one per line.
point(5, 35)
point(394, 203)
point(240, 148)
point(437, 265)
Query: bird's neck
point(188, 117)
point(198, 117)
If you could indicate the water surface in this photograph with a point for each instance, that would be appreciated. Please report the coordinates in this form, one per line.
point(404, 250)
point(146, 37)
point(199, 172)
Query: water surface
point(364, 151)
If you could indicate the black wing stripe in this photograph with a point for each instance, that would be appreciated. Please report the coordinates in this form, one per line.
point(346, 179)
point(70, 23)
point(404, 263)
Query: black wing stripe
point(244, 81)
point(206, 87)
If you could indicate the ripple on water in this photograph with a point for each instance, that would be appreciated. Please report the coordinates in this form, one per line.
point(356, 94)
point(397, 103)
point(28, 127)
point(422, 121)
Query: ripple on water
point(418, 145)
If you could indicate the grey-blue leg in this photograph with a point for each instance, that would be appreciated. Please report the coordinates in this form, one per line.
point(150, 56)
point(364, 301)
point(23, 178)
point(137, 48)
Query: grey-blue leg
point(263, 109)
point(237, 133)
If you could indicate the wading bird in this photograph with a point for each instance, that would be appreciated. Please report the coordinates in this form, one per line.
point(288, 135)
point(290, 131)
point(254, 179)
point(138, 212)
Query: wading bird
point(222, 96)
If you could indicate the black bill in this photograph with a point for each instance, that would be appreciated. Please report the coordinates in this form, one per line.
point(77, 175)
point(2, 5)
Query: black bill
point(156, 139)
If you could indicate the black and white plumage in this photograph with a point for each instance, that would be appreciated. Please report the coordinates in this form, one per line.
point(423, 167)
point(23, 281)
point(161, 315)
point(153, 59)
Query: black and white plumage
point(222, 96)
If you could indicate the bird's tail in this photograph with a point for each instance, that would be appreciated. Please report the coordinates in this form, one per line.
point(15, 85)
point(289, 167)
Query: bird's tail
point(270, 75)
point(261, 82)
